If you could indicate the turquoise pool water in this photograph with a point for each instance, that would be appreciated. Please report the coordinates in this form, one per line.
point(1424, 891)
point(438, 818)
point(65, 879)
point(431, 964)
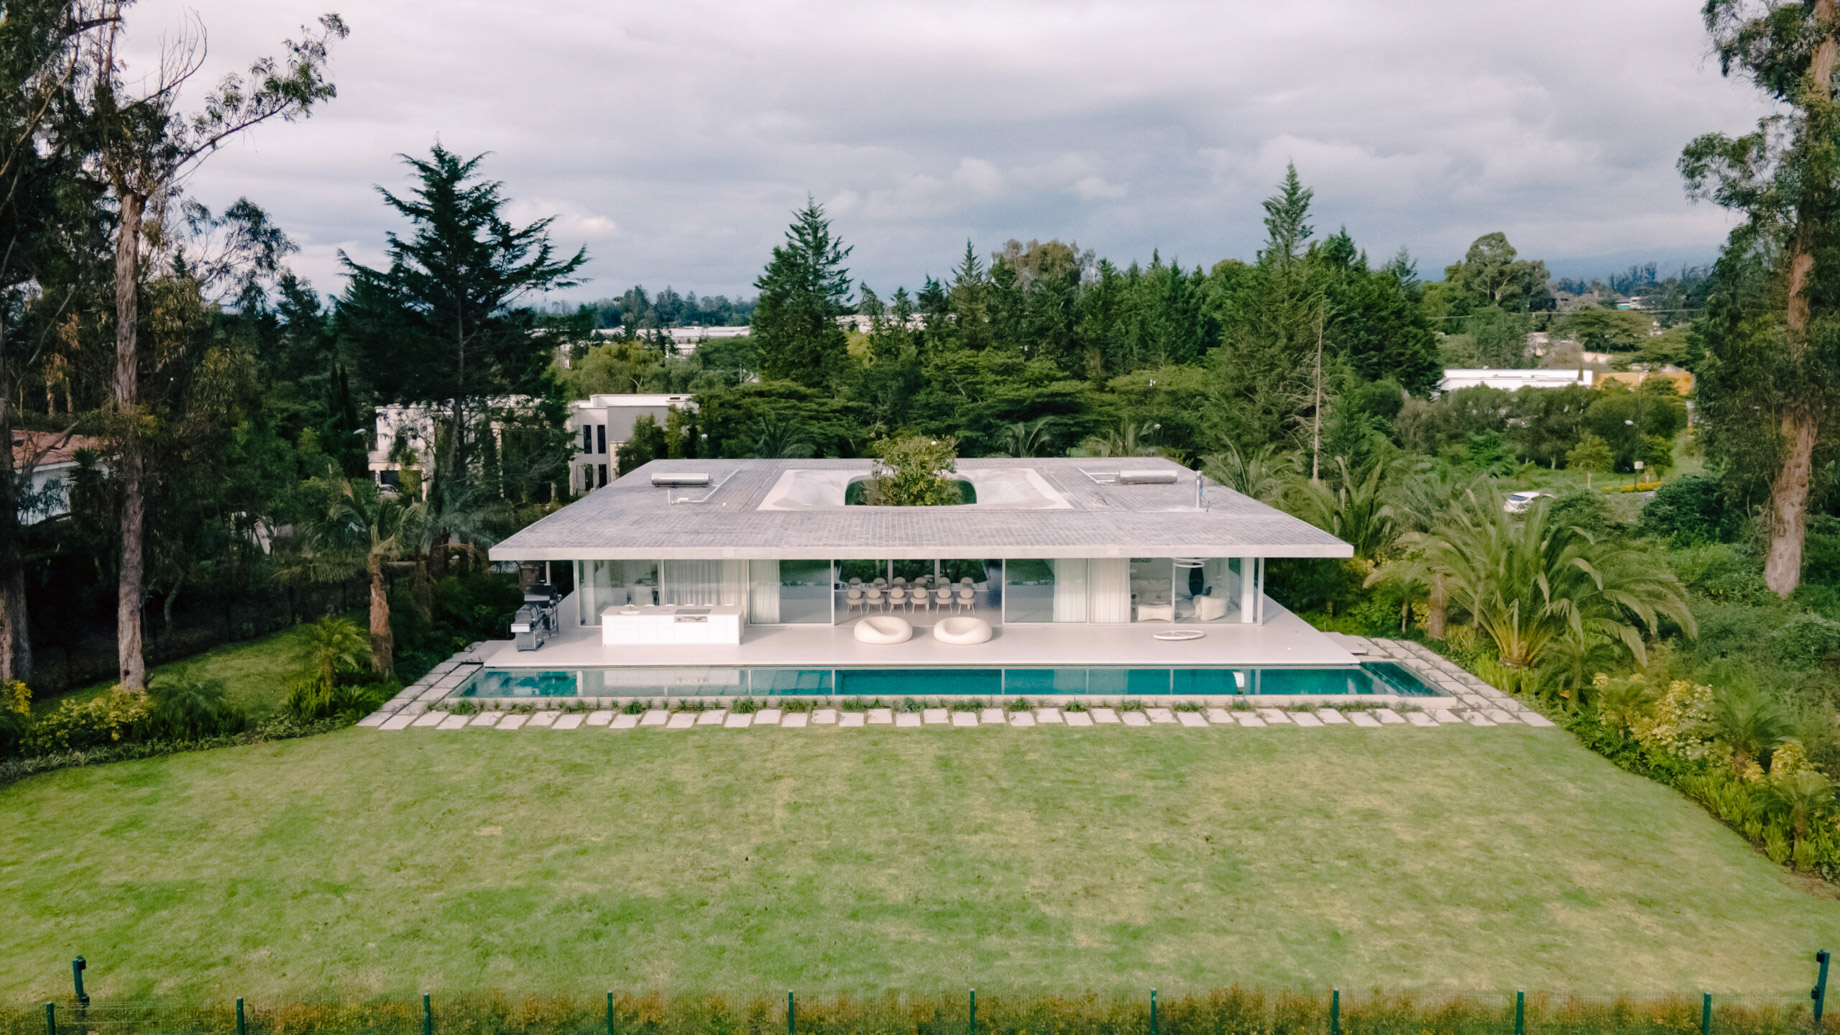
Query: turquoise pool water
point(1380, 677)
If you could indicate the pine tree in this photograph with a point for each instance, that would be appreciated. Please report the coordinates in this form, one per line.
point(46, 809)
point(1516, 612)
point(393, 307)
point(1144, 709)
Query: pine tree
point(803, 290)
point(1287, 227)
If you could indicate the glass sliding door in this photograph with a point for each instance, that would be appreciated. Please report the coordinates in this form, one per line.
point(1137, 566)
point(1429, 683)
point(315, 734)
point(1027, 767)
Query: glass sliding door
point(805, 595)
point(1048, 590)
point(604, 584)
point(1153, 589)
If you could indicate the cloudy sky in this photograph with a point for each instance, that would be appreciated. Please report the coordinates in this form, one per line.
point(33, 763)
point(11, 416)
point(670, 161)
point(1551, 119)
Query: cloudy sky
point(673, 139)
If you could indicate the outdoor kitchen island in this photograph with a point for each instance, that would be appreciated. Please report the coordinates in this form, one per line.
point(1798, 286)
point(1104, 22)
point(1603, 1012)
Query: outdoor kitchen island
point(668, 624)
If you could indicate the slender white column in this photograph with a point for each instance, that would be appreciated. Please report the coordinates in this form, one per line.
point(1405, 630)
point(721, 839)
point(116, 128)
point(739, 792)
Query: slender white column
point(1248, 589)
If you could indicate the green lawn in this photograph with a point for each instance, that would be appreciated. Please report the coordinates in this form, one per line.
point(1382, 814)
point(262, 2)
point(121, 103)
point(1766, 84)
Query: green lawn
point(255, 672)
point(863, 860)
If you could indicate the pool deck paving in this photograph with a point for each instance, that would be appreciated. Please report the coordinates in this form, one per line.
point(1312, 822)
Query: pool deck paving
point(1469, 701)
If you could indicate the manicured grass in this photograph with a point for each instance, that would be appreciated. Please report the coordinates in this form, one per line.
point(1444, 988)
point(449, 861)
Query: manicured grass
point(866, 860)
point(255, 672)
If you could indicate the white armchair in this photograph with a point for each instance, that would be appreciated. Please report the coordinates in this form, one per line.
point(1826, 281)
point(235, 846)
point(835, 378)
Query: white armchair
point(1209, 609)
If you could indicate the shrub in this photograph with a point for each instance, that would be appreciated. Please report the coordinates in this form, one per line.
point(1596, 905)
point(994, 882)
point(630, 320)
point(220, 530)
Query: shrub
point(1587, 510)
point(110, 718)
point(1690, 509)
point(1719, 571)
point(1806, 639)
point(15, 716)
point(187, 706)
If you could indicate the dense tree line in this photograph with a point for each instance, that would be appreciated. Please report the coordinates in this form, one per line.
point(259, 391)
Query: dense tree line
point(224, 405)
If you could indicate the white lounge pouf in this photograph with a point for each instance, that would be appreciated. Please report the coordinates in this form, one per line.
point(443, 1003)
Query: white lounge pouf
point(883, 629)
point(962, 629)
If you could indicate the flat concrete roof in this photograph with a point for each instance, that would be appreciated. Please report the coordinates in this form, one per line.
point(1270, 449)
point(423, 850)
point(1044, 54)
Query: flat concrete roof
point(1058, 507)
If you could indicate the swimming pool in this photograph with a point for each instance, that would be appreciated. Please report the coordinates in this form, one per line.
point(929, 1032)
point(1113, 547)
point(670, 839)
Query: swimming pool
point(1379, 677)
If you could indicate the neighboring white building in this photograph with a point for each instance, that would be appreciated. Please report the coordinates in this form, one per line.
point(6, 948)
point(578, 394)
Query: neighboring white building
point(407, 430)
point(1511, 380)
point(52, 460)
point(601, 424)
point(683, 339)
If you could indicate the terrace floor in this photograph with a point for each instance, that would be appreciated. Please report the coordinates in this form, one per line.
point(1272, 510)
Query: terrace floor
point(1282, 641)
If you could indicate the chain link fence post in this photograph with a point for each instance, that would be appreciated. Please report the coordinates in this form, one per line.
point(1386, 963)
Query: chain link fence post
point(50, 1018)
point(1335, 1011)
point(1520, 1013)
point(1705, 1014)
point(610, 1013)
point(1819, 995)
point(1153, 1011)
point(791, 1013)
point(241, 1027)
point(427, 1015)
point(973, 1028)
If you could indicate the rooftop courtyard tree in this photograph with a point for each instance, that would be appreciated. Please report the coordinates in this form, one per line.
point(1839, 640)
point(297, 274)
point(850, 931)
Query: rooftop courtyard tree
point(914, 471)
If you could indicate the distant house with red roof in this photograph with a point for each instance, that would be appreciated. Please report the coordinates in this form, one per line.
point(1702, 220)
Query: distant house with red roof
point(50, 458)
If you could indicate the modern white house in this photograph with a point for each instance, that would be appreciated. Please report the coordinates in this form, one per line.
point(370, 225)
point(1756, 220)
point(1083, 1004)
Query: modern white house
point(1068, 564)
point(601, 424)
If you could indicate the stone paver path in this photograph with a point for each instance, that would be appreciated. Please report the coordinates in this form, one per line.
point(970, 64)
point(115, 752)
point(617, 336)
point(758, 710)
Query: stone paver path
point(935, 716)
point(1163, 715)
point(993, 717)
point(738, 721)
point(1080, 719)
point(1104, 715)
point(1048, 715)
point(964, 719)
point(1306, 720)
point(795, 720)
point(624, 721)
point(907, 720)
point(1363, 719)
point(1248, 719)
point(1331, 717)
point(852, 720)
point(486, 719)
point(570, 721)
point(824, 717)
point(1135, 719)
point(600, 717)
point(512, 722)
point(1022, 719)
point(681, 721)
point(1191, 719)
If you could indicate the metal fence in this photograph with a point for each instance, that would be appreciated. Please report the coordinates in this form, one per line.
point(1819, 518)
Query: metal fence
point(1229, 1011)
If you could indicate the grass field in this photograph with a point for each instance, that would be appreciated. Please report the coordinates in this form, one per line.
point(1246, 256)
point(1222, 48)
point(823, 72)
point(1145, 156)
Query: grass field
point(255, 672)
point(864, 860)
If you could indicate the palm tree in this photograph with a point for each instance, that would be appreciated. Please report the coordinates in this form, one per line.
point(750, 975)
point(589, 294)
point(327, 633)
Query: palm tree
point(1422, 493)
point(1530, 586)
point(1801, 800)
point(1127, 440)
point(1749, 721)
point(331, 646)
point(1263, 474)
point(363, 527)
point(1025, 438)
point(1356, 511)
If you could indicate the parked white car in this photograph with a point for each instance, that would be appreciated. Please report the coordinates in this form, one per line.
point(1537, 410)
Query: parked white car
point(1520, 502)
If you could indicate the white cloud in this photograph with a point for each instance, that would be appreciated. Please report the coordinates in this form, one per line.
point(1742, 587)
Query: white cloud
point(675, 140)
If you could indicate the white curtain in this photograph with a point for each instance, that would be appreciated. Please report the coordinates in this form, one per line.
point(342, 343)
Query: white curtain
point(1069, 589)
point(763, 595)
point(733, 590)
point(691, 582)
point(1110, 593)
